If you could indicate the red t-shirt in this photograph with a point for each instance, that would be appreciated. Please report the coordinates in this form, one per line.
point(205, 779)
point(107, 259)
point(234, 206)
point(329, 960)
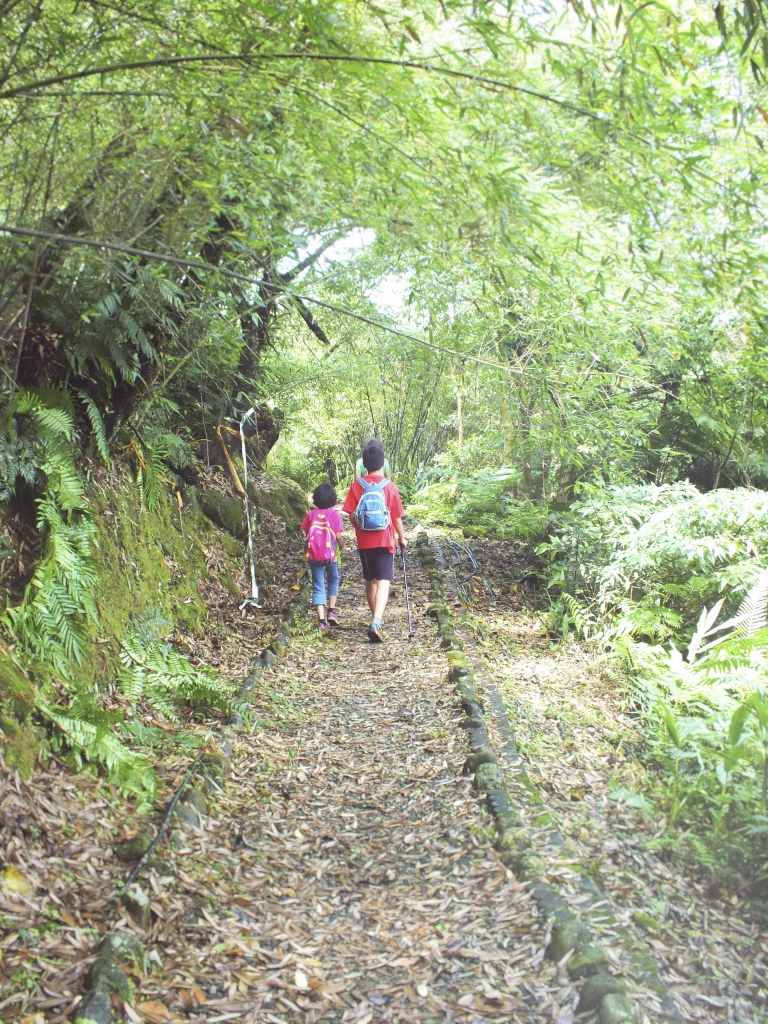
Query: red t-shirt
point(375, 538)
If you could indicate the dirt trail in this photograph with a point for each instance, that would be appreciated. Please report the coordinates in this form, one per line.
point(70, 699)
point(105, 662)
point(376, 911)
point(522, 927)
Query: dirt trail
point(349, 872)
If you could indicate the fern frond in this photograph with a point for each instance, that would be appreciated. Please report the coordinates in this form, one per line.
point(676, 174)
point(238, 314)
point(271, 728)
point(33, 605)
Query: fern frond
point(97, 424)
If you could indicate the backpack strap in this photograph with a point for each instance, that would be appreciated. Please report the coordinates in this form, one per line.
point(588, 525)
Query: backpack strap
point(373, 485)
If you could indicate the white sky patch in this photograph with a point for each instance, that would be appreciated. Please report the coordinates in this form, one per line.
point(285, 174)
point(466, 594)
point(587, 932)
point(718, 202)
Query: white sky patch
point(388, 294)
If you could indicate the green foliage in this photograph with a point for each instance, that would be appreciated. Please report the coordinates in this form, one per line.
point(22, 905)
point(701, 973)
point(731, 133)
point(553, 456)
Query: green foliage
point(155, 672)
point(642, 558)
point(712, 716)
point(480, 504)
point(51, 622)
point(88, 733)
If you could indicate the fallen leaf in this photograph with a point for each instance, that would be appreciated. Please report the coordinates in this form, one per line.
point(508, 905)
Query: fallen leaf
point(14, 881)
point(154, 1011)
point(300, 980)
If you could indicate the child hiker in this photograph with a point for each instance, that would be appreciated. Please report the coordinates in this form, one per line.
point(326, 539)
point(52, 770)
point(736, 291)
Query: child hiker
point(322, 526)
point(376, 509)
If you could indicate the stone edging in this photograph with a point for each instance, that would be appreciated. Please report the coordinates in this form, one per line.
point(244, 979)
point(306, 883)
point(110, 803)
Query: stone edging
point(118, 949)
point(572, 943)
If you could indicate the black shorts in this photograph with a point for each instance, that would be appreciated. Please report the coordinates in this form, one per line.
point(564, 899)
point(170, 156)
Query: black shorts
point(378, 563)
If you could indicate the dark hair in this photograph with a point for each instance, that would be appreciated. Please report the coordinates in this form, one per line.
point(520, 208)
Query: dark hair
point(373, 458)
point(324, 496)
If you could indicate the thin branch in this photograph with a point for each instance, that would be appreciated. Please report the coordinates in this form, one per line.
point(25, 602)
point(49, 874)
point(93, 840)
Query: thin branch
point(251, 58)
point(291, 275)
point(268, 285)
point(311, 323)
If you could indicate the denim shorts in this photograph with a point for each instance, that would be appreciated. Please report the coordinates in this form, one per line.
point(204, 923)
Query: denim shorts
point(378, 563)
point(319, 571)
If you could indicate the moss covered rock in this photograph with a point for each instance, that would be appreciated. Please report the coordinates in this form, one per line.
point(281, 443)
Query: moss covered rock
point(17, 695)
point(223, 510)
point(20, 743)
point(279, 497)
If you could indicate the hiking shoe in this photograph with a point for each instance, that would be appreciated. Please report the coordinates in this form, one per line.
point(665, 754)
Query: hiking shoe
point(333, 617)
point(375, 634)
point(322, 625)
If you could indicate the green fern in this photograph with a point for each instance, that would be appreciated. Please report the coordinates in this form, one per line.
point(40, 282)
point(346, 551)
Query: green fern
point(50, 623)
point(97, 423)
point(87, 732)
point(166, 679)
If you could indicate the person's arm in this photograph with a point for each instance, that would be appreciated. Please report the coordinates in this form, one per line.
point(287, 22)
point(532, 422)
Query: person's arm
point(398, 525)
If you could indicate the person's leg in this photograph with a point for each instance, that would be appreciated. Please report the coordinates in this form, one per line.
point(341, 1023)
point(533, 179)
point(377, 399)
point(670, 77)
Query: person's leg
point(371, 586)
point(382, 596)
point(318, 590)
point(382, 567)
point(333, 590)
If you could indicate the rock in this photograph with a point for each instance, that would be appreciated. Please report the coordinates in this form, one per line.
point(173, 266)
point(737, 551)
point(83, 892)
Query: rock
point(484, 755)
point(615, 1008)
point(280, 497)
point(20, 743)
point(108, 975)
point(224, 510)
point(136, 903)
point(94, 1008)
point(437, 608)
point(226, 748)
point(487, 777)
point(122, 946)
point(450, 642)
point(572, 934)
point(278, 649)
point(469, 696)
point(268, 658)
point(254, 675)
point(527, 865)
point(459, 671)
point(590, 959)
point(478, 736)
point(188, 815)
point(513, 839)
point(195, 798)
point(235, 720)
point(216, 765)
point(594, 988)
point(502, 808)
point(133, 848)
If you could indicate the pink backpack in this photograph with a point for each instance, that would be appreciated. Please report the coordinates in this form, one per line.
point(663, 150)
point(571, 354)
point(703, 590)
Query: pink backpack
point(321, 540)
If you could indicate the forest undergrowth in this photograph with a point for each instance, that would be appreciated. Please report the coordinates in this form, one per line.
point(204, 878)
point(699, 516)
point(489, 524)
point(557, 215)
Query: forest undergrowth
point(585, 744)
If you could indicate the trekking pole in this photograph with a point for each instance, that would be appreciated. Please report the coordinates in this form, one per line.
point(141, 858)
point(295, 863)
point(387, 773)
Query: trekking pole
point(253, 600)
point(407, 596)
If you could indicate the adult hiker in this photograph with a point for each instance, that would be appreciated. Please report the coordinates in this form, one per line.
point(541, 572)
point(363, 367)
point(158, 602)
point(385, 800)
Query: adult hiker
point(361, 469)
point(374, 505)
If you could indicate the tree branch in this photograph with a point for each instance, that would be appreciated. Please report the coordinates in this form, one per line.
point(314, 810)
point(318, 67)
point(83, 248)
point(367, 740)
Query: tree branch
point(313, 257)
point(278, 289)
point(312, 324)
point(251, 58)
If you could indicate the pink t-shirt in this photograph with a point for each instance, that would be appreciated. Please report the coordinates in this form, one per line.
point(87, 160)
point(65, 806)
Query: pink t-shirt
point(332, 517)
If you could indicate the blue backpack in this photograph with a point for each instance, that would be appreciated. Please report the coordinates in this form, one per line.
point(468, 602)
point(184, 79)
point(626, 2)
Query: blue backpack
point(372, 512)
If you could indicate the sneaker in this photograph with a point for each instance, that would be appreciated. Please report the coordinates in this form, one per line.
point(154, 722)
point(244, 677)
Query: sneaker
point(333, 617)
point(322, 625)
point(375, 634)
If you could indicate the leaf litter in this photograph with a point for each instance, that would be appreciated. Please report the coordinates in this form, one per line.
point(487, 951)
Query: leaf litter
point(576, 737)
point(345, 872)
